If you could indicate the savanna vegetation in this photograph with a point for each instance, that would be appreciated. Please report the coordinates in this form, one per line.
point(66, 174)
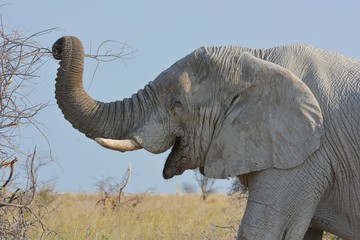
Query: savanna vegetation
point(146, 216)
point(77, 216)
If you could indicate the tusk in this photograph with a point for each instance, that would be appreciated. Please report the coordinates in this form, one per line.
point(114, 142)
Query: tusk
point(119, 145)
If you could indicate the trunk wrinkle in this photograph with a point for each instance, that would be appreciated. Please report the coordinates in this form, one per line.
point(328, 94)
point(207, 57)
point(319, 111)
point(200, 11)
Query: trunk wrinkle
point(91, 117)
point(114, 120)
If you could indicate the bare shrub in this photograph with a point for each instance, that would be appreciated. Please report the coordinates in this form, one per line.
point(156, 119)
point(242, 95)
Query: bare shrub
point(20, 213)
point(112, 190)
point(206, 184)
point(20, 58)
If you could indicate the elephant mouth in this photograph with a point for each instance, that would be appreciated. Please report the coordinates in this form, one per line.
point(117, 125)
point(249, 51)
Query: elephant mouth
point(169, 173)
point(172, 165)
point(178, 161)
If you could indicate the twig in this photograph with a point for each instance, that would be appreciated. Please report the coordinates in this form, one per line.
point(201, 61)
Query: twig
point(32, 177)
point(226, 227)
point(9, 125)
point(11, 171)
point(109, 56)
point(126, 179)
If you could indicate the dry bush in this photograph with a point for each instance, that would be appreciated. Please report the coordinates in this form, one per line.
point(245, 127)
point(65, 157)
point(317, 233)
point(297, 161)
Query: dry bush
point(112, 191)
point(205, 183)
point(20, 58)
point(20, 213)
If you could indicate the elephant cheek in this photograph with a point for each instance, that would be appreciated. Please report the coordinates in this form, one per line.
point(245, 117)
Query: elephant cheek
point(152, 139)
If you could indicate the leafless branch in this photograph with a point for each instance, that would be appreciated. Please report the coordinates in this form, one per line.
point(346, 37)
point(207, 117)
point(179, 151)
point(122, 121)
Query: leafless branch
point(11, 164)
point(126, 179)
point(20, 59)
point(111, 186)
point(104, 53)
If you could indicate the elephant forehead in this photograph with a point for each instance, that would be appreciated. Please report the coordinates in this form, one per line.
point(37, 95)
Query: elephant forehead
point(185, 82)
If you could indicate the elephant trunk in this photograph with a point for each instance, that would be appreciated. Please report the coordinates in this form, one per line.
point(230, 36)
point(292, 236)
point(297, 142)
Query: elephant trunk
point(96, 119)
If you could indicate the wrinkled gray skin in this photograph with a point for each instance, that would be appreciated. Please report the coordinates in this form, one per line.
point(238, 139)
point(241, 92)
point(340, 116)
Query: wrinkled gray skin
point(284, 120)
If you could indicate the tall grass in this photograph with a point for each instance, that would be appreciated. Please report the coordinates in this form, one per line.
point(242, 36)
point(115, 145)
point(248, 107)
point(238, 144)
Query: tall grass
point(155, 217)
point(173, 217)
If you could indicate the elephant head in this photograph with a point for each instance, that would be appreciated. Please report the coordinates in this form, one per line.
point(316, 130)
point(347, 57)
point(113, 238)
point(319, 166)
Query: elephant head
point(222, 110)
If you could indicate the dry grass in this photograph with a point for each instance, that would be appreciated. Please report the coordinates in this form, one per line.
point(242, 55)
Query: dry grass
point(177, 217)
point(155, 217)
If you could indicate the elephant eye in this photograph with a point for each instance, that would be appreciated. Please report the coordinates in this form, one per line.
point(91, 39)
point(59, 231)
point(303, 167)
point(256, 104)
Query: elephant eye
point(177, 104)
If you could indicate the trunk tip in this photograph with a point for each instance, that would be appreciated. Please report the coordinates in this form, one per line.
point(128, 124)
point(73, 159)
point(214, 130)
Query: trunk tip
point(61, 44)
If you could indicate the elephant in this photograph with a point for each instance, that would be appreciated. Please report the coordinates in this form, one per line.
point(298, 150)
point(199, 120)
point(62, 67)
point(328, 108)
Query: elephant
point(284, 120)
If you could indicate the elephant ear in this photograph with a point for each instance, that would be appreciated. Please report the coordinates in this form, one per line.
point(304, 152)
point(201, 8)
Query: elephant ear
point(274, 122)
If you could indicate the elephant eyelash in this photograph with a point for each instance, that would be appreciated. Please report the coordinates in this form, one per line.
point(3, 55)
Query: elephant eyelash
point(232, 103)
point(234, 100)
point(176, 104)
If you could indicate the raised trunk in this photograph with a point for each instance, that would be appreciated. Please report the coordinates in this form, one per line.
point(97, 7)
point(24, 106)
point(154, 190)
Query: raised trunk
point(96, 119)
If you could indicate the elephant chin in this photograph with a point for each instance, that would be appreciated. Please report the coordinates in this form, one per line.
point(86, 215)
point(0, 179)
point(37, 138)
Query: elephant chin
point(202, 170)
point(170, 173)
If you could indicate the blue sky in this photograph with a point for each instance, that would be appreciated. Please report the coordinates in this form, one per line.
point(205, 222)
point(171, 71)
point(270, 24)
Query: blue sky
point(161, 32)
